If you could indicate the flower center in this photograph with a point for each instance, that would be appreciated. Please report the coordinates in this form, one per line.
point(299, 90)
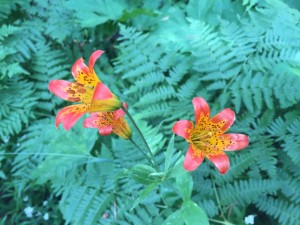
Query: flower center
point(202, 141)
point(106, 119)
point(206, 139)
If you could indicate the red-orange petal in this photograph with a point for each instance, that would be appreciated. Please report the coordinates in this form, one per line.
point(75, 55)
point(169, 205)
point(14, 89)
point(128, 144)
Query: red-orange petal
point(79, 68)
point(120, 113)
point(226, 115)
point(102, 92)
point(106, 130)
point(182, 128)
point(191, 161)
point(91, 122)
point(238, 141)
point(95, 55)
point(58, 87)
point(69, 115)
point(200, 107)
point(221, 161)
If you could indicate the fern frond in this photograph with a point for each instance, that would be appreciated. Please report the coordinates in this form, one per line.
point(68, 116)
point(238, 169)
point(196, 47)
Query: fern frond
point(210, 207)
point(214, 59)
point(48, 65)
point(84, 205)
point(246, 191)
point(284, 211)
point(18, 102)
point(290, 187)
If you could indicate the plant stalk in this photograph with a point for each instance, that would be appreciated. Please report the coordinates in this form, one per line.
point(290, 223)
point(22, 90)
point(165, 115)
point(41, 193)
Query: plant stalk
point(144, 154)
point(141, 135)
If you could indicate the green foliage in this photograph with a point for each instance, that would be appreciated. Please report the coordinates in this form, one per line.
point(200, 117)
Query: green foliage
point(284, 211)
point(158, 56)
point(17, 101)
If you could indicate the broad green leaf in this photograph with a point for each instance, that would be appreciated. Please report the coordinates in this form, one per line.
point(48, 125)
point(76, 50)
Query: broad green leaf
point(184, 182)
point(192, 214)
point(168, 193)
point(129, 15)
point(174, 219)
point(142, 174)
point(93, 13)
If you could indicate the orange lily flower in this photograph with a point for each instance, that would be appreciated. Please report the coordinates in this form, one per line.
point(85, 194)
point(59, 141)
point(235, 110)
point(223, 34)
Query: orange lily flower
point(87, 89)
point(207, 138)
point(108, 122)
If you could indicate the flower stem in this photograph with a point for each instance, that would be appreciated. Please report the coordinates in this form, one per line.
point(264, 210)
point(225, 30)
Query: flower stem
point(217, 197)
point(144, 154)
point(220, 222)
point(141, 135)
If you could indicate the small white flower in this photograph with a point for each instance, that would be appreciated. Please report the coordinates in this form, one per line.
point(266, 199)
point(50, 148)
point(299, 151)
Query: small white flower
point(46, 216)
point(25, 199)
point(249, 219)
point(28, 211)
point(45, 203)
point(165, 18)
point(5, 139)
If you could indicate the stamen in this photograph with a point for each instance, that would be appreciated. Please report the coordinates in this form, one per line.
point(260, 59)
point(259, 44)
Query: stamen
point(73, 99)
point(81, 90)
point(71, 91)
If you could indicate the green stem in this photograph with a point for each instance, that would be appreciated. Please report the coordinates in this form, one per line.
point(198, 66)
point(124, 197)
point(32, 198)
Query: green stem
point(219, 221)
point(217, 197)
point(140, 133)
point(144, 154)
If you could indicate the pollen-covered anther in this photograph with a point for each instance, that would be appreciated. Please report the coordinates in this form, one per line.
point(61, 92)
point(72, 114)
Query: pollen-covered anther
point(69, 91)
point(73, 99)
point(77, 85)
point(81, 90)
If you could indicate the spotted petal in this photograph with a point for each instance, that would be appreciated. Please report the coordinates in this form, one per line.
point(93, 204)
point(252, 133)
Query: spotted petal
point(200, 107)
point(226, 116)
point(79, 69)
point(221, 161)
point(191, 161)
point(59, 87)
point(182, 128)
point(91, 122)
point(69, 115)
point(237, 141)
point(83, 75)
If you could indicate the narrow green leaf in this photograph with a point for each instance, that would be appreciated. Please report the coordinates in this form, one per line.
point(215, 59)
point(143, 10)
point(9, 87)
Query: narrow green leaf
point(169, 153)
point(144, 193)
